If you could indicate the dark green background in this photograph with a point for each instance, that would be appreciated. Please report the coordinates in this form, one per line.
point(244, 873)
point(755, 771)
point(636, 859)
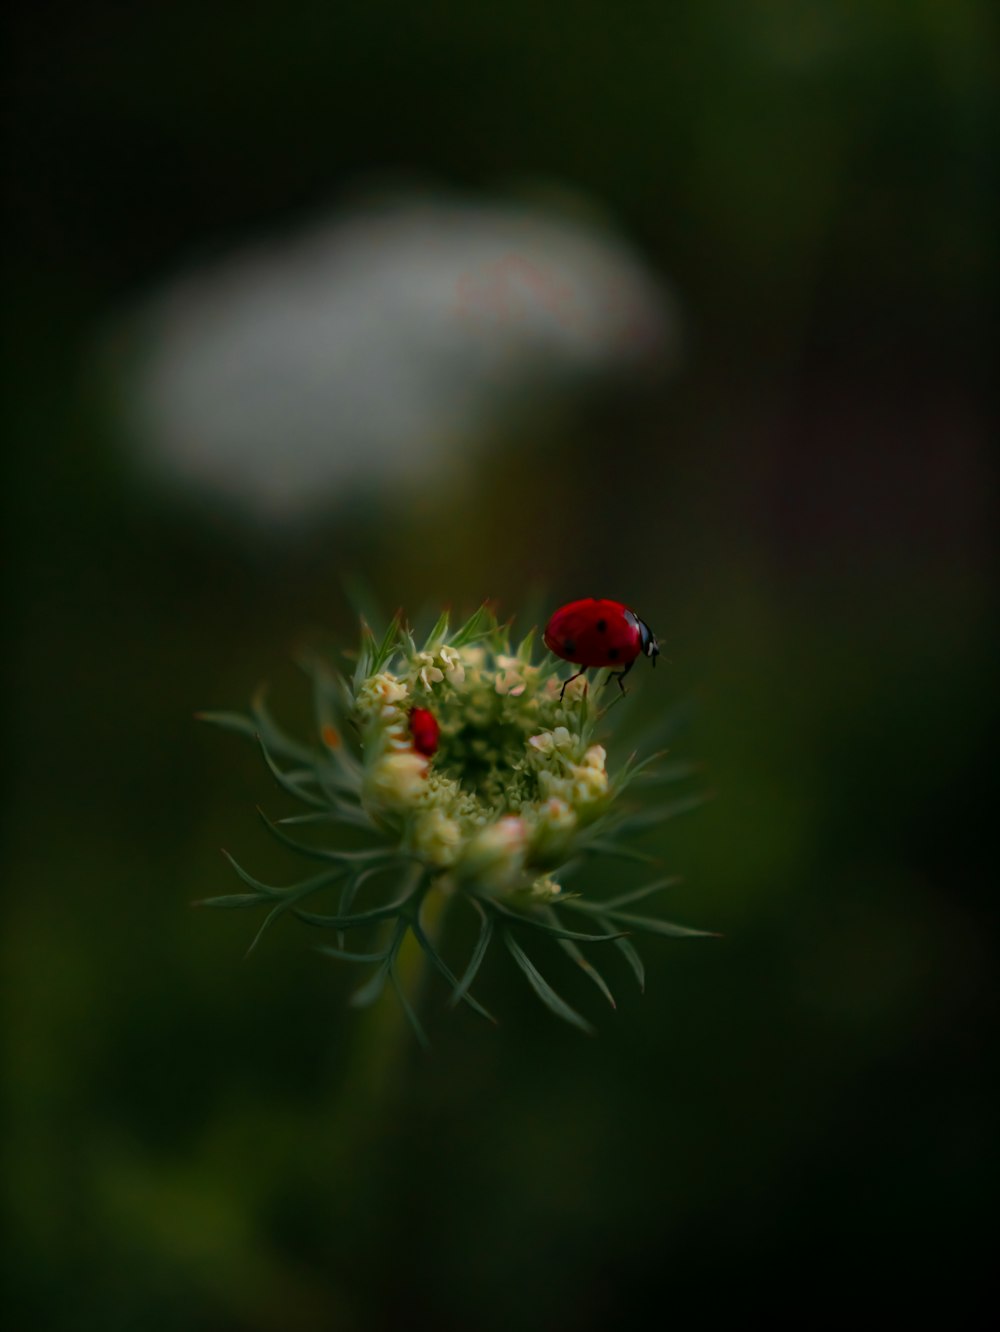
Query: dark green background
point(795, 1117)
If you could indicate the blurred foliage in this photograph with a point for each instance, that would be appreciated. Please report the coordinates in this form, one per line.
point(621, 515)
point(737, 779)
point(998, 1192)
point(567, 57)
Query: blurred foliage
point(797, 1117)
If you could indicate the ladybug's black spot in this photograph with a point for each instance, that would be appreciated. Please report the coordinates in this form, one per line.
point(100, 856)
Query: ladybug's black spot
point(569, 645)
point(601, 626)
point(613, 654)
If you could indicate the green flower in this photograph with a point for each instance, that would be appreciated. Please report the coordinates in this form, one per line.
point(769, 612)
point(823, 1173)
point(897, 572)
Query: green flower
point(511, 792)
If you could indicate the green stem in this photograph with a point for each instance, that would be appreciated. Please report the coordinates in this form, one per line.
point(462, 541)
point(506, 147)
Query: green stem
point(374, 1076)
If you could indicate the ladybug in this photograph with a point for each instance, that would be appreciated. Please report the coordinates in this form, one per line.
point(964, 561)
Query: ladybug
point(425, 731)
point(598, 632)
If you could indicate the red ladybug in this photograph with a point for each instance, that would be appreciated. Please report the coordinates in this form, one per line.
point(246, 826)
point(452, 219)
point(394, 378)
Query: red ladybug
point(598, 632)
point(425, 731)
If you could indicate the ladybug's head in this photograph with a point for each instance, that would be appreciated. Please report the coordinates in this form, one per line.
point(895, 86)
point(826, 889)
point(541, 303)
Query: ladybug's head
point(647, 640)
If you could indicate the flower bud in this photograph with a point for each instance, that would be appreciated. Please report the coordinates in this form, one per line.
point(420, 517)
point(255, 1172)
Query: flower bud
point(495, 856)
point(436, 837)
point(379, 692)
point(397, 779)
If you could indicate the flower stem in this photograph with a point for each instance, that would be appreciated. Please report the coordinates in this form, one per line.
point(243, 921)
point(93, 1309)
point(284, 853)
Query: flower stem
point(373, 1084)
point(376, 1072)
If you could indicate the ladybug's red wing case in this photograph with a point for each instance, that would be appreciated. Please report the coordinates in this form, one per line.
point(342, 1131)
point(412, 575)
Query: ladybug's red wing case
point(595, 632)
point(425, 731)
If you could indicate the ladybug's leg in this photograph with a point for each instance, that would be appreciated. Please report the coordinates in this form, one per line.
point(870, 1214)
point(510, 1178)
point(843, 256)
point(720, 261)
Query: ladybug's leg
point(570, 681)
point(620, 675)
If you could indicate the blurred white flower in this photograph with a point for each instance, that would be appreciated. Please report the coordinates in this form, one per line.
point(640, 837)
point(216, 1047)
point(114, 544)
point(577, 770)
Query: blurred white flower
point(370, 347)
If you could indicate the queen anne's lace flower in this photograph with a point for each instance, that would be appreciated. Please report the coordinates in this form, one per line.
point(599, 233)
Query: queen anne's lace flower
point(452, 665)
point(379, 692)
point(516, 759)
point(514, 791)
point(425, 671)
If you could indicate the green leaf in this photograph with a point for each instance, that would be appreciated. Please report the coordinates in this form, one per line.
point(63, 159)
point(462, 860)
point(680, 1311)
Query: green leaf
point(387, 645)
point(559, 931)
point(289, 784)
point(414, 1021)
point(526, 646)
point(320, 852)
point(324, 691)
point(366, 655)
point(347, 894)
point(652, 925)
point(336, 768)
point(352, 887)
point(479, 952)
point(598, 847)
point(345, 695)
point(636, 894)
point(629, 824)
point(375, 653)
point(674, 771)
point(343, 955)
point(571, 950)
point(265, 924)
point(366, 994)
point(231, 901)
point(479, 623)
point(277, 740)
point(335, 781)
point(552, 1001)
point(230, 721)
point(438, 633)
point(337, 812)
point(446, 971)
point(324, 815)
point(633, 769)
point(278, 909)
point(626, 948)
point(273, 891)
point(351, 922)
point(608, 911)
point(682, 805)
point(375, 984)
